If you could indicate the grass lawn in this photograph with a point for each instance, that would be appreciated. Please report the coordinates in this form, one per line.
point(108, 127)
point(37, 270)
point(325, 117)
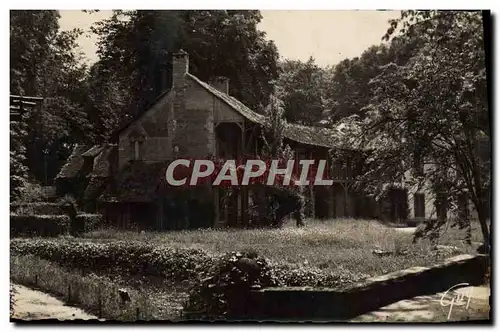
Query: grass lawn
point(327, 245)
point(341, 250)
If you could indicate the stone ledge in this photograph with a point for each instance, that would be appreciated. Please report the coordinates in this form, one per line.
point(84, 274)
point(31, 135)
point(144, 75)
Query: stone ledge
point(324, 304)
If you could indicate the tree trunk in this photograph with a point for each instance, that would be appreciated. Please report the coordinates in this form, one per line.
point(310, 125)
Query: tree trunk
point(484, 226)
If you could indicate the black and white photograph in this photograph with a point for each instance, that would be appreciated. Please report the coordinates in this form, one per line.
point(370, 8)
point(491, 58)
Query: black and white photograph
point(229, 165)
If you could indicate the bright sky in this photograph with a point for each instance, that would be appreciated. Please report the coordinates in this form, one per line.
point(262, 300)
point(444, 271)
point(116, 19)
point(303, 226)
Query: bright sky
point(328, 35)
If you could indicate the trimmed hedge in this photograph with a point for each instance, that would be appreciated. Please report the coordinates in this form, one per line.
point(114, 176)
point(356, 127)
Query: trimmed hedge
point(87, 222)
point(39, 225)
point(217, 283)
point(134, 257)
point(33, 208)
point(119, 257)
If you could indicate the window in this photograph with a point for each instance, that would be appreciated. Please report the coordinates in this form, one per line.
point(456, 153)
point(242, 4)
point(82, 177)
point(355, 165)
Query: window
point(419, 205)
point(418, 165)
point(136, 148)
point(441, 206)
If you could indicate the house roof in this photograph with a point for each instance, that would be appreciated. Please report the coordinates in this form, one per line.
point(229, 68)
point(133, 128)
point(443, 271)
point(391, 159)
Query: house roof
point(100, 153)
point(74, 163)
point(317, 136)
point(102, 160)
point(93, 151)
point(312, 135)
point(100, 172)
point(234, 103)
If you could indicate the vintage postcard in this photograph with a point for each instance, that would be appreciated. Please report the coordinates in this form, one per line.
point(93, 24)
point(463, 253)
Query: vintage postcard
point(250, 165)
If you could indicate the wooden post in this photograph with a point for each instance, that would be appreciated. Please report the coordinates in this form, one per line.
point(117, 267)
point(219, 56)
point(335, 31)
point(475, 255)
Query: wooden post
point(344, 186)
point(137, 313)
point(244, 189)
point(331, 202)
point(311, 193)
point(216, 191)
point(227, 204)
point(99, 302)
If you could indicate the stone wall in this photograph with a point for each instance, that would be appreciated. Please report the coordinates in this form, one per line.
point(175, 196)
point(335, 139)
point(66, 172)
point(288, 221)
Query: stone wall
point(154, 130)
point(313, 304)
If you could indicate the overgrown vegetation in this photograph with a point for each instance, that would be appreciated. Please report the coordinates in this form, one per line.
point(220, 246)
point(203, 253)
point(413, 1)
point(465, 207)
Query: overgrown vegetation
point(429, 107)
point(39, 225)
point(323, 254)
point(12, 301)
point(230, 280)
point(97, 294)
point(208, 264)
point(29, 208)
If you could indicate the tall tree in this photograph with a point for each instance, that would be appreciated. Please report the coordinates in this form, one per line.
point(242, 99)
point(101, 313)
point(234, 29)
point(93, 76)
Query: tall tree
point(302, 89)
point(106, 96)
point(347, 90)
point(45, 63)
point(138, 45)
point(432, 109)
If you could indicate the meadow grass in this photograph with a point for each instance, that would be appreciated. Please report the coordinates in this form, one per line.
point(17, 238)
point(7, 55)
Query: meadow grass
point(327, 245)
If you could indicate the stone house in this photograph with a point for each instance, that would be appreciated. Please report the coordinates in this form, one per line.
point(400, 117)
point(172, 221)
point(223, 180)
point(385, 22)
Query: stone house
point(422, 201)
point(125, 179)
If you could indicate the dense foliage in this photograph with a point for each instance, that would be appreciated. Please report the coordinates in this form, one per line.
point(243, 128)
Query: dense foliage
point(135, 54)
point(39, 225)
point(418, 98)
point(231, 278)
point(429, 108)
point(44, 62)
point(134, 257)
point(44, 208)
point(89, 222)
point(118, 257)
point(18, 169)
point(135, 47)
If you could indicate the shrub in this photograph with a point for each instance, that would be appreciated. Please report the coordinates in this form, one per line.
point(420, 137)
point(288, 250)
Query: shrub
point(223, 294)
point(301, 276)
point(12, 294)
point(87, 222)
point(31, 192)
point(33, 208)
point(39, 225)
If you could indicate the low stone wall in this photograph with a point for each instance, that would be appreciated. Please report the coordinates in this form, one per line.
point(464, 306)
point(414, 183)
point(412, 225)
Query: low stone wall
point(313, 304)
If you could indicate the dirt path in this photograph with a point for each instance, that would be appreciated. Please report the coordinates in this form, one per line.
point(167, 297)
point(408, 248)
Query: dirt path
point(34, 305)
point(436, 308)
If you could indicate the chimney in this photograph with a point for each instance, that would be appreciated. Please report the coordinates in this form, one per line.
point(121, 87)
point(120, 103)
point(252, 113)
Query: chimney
point(180, 67)
point(221, 83)
point(177, 127)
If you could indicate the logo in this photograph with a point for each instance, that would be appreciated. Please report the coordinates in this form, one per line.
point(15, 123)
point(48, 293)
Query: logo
point(458, 300)
point(189, 172)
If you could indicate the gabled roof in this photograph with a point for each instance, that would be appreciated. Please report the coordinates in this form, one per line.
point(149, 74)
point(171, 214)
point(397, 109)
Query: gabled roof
point(316, 136)
point(74, 163)
point(100, 153)
point(93, 151)
point(234, 103)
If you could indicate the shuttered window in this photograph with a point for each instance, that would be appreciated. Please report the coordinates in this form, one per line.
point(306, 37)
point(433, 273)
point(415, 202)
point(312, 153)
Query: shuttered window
point(419, 205)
